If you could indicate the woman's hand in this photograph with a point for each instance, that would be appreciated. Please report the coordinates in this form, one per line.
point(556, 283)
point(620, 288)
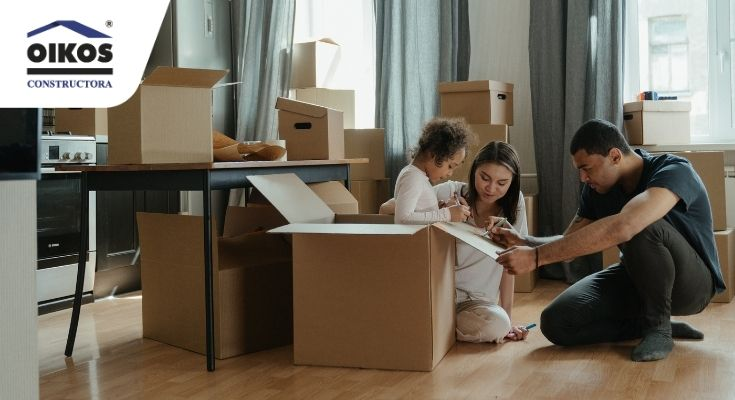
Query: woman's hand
point(517, 333)
point(459, 213)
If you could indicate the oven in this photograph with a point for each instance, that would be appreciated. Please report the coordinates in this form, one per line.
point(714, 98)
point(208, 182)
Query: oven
point(58, 222)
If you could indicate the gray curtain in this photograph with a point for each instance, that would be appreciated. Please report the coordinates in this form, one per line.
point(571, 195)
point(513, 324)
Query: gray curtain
point(262, 43)
point(419, 43)
point(576, 63)
point(262, 52)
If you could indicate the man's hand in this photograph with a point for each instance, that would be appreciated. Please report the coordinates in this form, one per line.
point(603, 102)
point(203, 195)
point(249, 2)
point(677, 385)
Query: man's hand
point(518, 259)
point(505, 236)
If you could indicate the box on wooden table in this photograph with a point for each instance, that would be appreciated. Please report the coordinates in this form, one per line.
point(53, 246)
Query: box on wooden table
point(167, 120)
point(311, 132)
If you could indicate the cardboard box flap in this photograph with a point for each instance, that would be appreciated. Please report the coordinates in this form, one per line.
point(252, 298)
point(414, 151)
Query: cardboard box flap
point(469, 234)
point(301, 107)
point(350, 229)
point(657, 105)
point(474, 86)
point(292, 198)
point(184, 77)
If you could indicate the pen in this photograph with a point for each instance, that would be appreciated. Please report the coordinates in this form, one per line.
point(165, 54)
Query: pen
point(531, 325)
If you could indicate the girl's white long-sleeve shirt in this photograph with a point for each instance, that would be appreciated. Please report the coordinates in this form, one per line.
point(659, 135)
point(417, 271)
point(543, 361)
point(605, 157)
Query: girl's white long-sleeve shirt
point(416, 201)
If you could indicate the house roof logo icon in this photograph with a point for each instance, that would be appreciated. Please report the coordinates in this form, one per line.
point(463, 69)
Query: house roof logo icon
point(75, 26)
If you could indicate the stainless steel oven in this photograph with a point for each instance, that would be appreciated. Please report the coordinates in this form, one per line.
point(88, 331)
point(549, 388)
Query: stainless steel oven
point(58, 223)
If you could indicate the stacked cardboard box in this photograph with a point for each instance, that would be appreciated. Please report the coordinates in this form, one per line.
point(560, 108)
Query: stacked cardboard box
point(526, 282)
point(313, 76)
point(368, 182)
point(657, 122)
point(81, 121)
point(486, 105)
point(710, 166)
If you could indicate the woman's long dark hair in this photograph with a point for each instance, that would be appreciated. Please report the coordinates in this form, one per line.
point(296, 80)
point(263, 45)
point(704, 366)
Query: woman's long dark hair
point(503, 154)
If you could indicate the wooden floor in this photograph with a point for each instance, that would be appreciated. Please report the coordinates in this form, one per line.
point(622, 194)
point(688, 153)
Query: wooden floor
point(112, 361)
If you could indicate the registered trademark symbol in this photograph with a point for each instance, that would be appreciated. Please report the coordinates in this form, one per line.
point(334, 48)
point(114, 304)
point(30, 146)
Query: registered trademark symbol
point(108, 23)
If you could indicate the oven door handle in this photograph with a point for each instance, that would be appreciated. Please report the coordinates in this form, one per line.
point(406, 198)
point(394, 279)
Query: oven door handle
point(52, 170)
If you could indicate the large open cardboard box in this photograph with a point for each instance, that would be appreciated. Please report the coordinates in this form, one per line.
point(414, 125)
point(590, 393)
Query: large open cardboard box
point(81, 121)
point(478, 102)
point(657, 121)
point(167, 120)
point(367, 295)
point(311, 132)
point(252, 282)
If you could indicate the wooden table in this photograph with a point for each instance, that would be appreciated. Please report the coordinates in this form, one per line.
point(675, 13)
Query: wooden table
point(200, 176)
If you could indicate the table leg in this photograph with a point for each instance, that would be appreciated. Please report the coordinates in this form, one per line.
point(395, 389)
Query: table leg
point(83, 247)
point(208, 281)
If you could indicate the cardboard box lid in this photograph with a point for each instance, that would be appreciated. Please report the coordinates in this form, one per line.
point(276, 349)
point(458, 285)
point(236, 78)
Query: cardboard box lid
point(470, 235)
point(184, 77)
point(292, 198)
point(302, 107)
point(474, 86)
point(350, 229)
point(657, 105)
point(307, 213)
point(323, 40)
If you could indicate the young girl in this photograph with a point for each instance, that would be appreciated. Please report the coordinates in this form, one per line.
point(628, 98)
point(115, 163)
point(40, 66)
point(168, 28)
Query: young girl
point(442, 147)
point(484, 291)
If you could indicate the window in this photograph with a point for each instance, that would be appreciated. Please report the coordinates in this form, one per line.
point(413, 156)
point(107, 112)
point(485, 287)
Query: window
point(684, 48)
point(352, 25)
point(668, 50)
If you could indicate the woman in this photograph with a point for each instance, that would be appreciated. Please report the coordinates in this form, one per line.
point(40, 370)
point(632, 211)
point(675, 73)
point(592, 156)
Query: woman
point(484, 291)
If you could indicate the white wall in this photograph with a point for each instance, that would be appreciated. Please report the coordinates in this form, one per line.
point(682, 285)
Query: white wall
point(499, 38)
point(18, 303)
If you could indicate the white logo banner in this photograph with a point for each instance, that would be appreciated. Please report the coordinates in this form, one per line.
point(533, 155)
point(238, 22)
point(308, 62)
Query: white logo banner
point(75, 53)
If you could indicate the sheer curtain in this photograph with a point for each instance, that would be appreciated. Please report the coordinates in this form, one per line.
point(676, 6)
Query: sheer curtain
point(262, 42)
point(352, 25)
point(419, 43)
point(576, 63)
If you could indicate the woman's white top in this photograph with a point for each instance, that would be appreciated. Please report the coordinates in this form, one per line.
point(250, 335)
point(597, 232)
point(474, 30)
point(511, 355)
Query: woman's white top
point(416, 201)
point(477, 275)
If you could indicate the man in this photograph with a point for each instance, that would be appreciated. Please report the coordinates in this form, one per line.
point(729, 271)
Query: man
point(655, 208)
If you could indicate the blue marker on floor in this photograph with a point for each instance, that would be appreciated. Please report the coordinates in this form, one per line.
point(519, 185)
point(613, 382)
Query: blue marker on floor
point(531, 325)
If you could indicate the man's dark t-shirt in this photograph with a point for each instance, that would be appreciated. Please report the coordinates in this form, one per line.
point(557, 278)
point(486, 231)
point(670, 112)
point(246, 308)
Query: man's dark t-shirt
point(691, 216)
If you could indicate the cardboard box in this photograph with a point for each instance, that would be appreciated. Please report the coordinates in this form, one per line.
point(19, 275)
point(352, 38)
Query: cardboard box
point(334, 194)
point(82, 121)
point(710, 166)
point(526, 282)
point(336, 99)
point(366, 143)
point(368, 295)
point(167, 120)
point(314, 64)
point(479, 102)
point(725, 241)
point(248, 268)
point(311, 132)
point(485, 134)
point(370, 194)
point(729, 198)
point(657, 122)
